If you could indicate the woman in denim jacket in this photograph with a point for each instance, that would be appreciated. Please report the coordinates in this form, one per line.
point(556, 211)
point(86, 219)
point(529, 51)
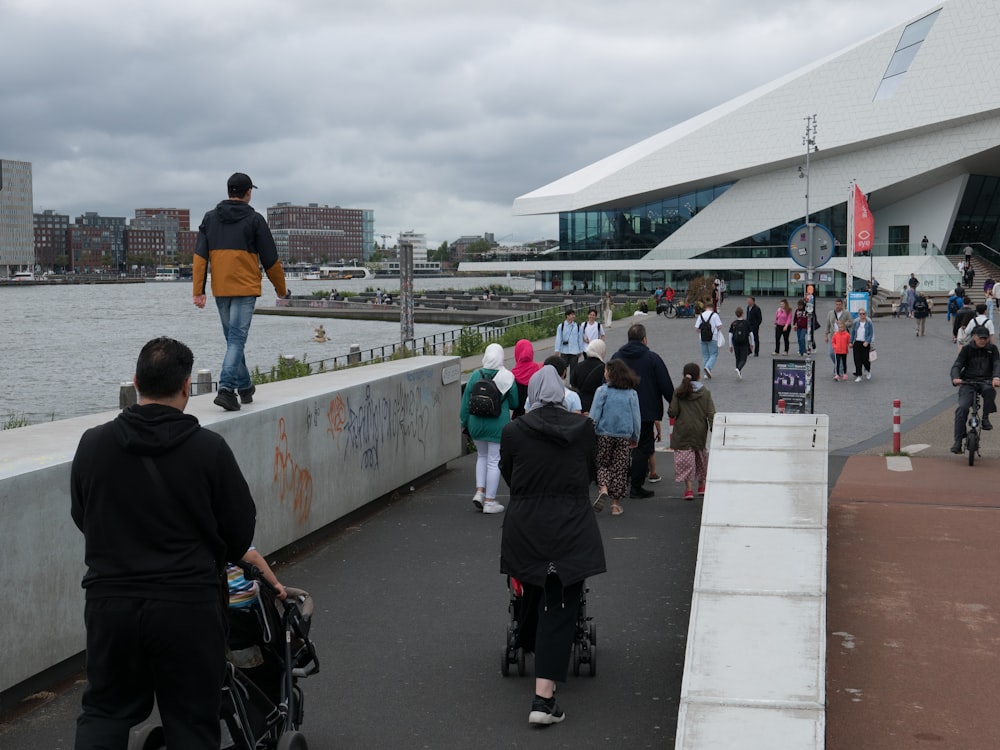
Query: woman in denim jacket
point(615, 412)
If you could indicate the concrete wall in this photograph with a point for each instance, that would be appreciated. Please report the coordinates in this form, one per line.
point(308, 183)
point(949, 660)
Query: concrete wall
point(312, 449)
point(755, 667)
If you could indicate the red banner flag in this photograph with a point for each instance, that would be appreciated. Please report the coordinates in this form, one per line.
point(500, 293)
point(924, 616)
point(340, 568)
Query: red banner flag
point(864, 223)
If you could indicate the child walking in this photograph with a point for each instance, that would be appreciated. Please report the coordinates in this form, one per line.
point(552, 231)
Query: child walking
point(615, 412)
point(693, 411)
point(841, 342)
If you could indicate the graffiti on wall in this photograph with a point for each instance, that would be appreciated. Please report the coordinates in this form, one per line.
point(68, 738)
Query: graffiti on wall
point(294, 481)
point(380, 425)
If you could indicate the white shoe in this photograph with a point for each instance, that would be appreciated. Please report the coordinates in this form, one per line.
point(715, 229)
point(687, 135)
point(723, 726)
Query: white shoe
point(868, 374)
point(857, 379)
point(739, 374)
point(477, 500)
point(492, 506)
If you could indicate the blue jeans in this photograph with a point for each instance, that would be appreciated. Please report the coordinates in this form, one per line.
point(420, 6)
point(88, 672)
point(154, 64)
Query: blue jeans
point(236, 314)
point(709, 353)
point(800, 334)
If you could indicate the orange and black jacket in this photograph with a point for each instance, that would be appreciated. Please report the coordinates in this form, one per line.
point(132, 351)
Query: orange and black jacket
point(235, 240)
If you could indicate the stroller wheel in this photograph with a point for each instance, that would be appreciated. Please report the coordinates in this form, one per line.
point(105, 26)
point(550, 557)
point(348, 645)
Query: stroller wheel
point(593, 660)
point(148, 738)
point(292, 741)
point(520, 662)
point(576, 659)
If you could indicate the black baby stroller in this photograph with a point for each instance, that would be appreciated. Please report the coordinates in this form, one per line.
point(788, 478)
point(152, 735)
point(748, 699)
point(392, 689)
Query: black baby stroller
point(521, 632)
point(269, 650)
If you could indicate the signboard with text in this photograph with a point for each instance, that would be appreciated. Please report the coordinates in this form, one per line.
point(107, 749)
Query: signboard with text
point(793, 382)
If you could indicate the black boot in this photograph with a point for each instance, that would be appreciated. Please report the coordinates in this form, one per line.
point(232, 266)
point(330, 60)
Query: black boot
point(957, 446)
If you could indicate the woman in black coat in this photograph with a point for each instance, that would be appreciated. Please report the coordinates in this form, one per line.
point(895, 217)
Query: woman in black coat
point(551, 541)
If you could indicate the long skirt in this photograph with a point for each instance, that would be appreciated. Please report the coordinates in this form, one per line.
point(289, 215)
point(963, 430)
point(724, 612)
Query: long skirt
point(613, 460)
point(691, 465)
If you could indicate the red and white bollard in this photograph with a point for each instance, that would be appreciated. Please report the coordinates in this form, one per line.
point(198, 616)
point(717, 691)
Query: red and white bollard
point(896, 437)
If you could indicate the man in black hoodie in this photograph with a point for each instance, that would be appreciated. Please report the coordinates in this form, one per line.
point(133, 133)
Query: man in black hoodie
point(654, 386)
point(162, 505)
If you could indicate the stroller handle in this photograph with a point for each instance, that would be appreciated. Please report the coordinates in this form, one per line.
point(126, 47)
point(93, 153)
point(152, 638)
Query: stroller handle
point(300, 597)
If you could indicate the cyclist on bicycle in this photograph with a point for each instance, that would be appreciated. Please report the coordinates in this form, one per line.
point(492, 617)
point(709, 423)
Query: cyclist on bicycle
point(979, 360)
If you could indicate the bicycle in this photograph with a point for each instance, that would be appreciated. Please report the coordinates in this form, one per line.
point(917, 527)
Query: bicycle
point(974, 425)
point(670, 309)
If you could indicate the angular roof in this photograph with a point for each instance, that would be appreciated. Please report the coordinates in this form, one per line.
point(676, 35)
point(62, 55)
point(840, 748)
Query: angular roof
point(940, 119)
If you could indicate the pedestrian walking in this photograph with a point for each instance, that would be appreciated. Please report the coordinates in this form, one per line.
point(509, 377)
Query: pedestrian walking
point(862, 339)
point(693, 411)
point(755, 318)
point(654, 387)
point(524, 367)
point(569, 340)
point(834, 318)
point(163, 506)
point(489, 396)
point(921, 311)
point(840, 343)
point(615, 412)
point(782, 325)
point(741, 341)
point(551, 542)
point(234, 241)
point(588, 375)
point(801, 321)
point(607, 309)
point(709, 326)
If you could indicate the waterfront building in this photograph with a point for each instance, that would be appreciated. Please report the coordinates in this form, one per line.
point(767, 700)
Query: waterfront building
point(912, 114)
point(149, 247)
point(187, 241)
point(17, 228)
point(181, 215)
point(315, 234)
point(167, 224)
point(102, 247)
point(51, 249)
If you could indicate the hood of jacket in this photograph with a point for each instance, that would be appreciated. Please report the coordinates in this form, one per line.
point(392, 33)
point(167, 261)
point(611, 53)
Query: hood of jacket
point(233, 212)
point(153, 429)
point(553, 424)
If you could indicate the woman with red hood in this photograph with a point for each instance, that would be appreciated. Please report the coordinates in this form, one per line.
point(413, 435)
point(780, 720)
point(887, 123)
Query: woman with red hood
point(524, 367)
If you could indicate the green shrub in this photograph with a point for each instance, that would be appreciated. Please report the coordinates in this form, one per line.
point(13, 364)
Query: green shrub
point(469, 343)
point(13, 421)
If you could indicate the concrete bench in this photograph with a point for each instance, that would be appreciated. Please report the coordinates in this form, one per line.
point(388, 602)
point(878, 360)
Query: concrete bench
point(754, 672)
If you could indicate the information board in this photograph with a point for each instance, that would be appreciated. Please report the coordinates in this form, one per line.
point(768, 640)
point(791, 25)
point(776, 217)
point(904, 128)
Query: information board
point(793, 381)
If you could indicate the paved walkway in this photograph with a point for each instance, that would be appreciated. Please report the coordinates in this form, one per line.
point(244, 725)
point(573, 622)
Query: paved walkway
point(411, 609)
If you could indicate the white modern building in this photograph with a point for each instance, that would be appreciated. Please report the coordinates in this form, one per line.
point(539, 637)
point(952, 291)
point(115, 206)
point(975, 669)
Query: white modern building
point(17, 219)
point(912, 114)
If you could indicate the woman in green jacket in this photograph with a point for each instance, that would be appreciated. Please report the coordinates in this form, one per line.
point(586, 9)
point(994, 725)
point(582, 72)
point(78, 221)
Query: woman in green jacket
point(693, 410)
point(485, 430)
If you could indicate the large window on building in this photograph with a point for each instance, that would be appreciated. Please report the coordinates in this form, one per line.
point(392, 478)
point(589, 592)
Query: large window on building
point(906, 50)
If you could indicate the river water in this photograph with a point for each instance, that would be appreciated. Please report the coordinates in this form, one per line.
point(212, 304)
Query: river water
point(66, 350)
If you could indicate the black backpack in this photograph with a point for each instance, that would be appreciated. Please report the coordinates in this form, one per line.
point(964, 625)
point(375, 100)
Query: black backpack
point(707, 334)
point(485, 398)
point(741, 331)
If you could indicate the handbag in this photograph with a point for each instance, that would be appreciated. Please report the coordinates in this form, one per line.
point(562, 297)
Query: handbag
point(872, 355)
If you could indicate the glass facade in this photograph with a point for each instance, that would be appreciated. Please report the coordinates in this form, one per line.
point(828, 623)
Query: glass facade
point(633, 231)
point(978, 218)
point(909, 44)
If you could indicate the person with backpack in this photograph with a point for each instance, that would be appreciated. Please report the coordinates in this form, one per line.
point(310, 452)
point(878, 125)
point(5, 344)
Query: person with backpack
point(489, 396)
point(592, 330)
point(921, 310)
point(709, 324)
point(980, 319)
point(569, 340)
point(741, 341)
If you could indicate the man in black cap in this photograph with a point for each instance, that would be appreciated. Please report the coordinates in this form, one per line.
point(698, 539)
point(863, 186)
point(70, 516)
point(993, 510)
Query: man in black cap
point(977, 369)
point(235, 241)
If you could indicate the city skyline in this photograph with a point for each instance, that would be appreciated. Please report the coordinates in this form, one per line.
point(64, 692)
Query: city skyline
point(435, 117)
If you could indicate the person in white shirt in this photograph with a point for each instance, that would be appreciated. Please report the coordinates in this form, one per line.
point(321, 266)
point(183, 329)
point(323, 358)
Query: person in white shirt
point(709, 346)
point(592, 329)
point(569, 340)
point(982, 319)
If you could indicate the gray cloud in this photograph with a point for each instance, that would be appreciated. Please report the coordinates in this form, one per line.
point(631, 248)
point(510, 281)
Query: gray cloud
point(434, 114)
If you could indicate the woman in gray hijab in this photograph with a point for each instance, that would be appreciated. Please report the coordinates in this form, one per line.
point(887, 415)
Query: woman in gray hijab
point(551, 542)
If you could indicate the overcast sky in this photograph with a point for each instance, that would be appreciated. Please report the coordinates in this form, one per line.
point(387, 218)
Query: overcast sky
point(436, 114)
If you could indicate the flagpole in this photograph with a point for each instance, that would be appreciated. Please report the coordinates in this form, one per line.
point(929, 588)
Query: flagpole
point(849, 286)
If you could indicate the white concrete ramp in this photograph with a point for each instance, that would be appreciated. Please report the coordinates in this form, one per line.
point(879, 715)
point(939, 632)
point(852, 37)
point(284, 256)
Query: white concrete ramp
point(754, 674)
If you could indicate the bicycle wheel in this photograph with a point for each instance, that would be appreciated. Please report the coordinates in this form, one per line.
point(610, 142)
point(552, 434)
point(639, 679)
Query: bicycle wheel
point(972, 445)
point(671, 311)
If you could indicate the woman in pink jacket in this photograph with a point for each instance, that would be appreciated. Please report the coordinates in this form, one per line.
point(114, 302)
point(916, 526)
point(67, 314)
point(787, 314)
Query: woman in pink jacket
point(782, 325)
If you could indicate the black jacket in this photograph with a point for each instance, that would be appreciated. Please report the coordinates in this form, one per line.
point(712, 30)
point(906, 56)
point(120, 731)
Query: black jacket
point(654, 380)
point(977, 363)
point(587, 377)
point(140, 544)
point(547, 458)
point(755, 317)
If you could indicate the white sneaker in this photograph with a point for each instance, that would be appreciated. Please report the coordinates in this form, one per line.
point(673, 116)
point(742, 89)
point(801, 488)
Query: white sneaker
point(857, 379)
point(477, 500)
point(868, 375)
point(492, 506)
point(739, 374)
